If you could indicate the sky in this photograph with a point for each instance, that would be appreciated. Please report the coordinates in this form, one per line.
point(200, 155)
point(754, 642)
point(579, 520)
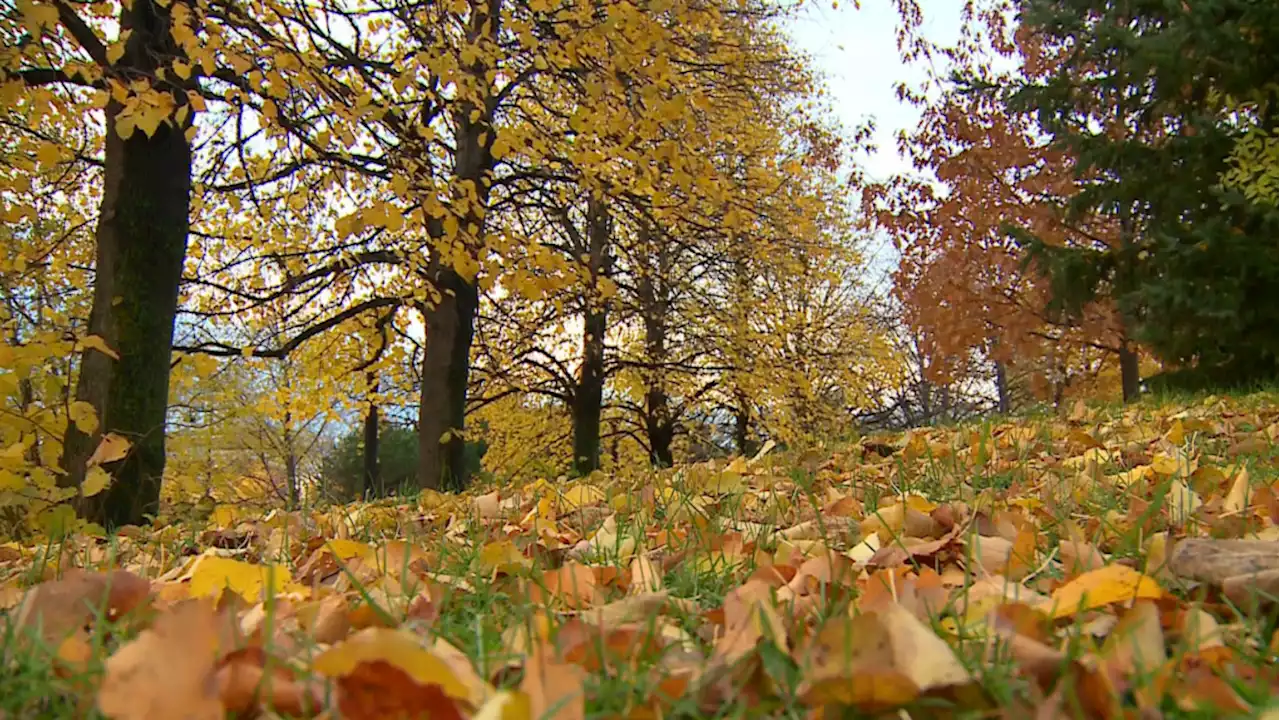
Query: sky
point(855, 50)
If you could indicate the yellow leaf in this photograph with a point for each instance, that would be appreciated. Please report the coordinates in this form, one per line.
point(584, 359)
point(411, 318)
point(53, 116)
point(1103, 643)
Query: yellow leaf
point(210, 575)
point(84, 416)
point(1182, 502)
point(225, 516)
point(396, 648)
point(580, 496)
point(95, 342)
point(506, 705)
point(503, 557)
point(111, 448)
point(40, 16)
point(48, 154)
point(1238, 496)
point(95, 481)
point(125, 124)
point(347, 549)
point(1098, 588)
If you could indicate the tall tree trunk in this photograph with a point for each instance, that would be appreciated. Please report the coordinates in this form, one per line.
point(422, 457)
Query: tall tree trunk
point(1002, 388)
point(141, 245)
point(742, 426)
point(661, 433)
point(446, 364)
point(654, 305)
point(291, 479)
point(588, 395)
point(446, 367)
point(1130, 379)
point(371, 475)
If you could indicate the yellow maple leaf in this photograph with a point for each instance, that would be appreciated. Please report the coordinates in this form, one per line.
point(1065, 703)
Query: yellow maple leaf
point(1099, 588)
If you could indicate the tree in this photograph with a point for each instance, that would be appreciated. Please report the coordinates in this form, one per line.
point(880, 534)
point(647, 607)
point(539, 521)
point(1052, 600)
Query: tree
point(144, 73)
point(983, 172)
point(344, 466)
point(1137, 94)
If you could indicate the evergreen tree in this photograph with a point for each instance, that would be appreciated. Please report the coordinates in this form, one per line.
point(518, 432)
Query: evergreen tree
point(1152, 98)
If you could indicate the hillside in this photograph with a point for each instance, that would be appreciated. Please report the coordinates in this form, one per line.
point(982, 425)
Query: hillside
point(1103, 563)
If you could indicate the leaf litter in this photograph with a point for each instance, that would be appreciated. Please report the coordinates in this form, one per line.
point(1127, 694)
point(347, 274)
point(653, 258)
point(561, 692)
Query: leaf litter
point(1103, 564)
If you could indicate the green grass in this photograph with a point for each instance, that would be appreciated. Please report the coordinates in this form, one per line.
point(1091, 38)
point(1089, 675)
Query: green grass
point(478, 621)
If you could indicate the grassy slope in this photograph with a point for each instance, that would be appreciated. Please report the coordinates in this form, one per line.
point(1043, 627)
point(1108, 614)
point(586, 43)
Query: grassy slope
point(723, 526)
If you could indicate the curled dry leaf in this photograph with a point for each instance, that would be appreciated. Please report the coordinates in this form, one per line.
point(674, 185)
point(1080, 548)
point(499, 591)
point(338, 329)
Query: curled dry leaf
point(878, 661)
point(381, 672)
point(249, 680)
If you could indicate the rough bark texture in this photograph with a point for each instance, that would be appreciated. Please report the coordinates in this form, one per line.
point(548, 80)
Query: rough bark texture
point(1130, 377)
point(588, 394)
point(371, 480)
point(654, 305)
point(446, 363)
point(1002, 389)
point(141, 244)
point(445, 373)
point(742, 427)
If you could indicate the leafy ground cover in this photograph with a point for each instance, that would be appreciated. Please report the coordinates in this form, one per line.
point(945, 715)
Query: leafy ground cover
point(1103, 563)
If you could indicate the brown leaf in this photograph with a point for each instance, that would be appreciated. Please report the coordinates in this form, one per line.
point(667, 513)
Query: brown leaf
point(554, 688)
point(59, 607)
point(245, 686)
point(167, 671)
point(877, 661)
point(1079, 557)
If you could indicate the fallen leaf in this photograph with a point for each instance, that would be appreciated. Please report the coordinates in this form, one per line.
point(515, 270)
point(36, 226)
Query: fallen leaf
point(1099, 588)
point(554, 688)
point(167, 671)
point(56, 608)
point(877, 661)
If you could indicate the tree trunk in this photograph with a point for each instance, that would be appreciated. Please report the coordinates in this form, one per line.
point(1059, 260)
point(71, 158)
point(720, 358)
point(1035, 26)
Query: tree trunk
point(291, 480)
point(654, 303)
point(588, 395)
point(1002, 389)
point(446, 367)
point(446, 364)
point(141, 245)
point(742, 427)
point(1130, 379)
point(371, 476)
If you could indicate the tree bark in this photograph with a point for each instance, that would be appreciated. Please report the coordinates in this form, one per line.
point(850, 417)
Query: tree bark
point(1130, 379)
point(445, 373)
point(742, 426)
point(446, 363)
point(654, 304)
point(371, 475)
point(141, 245)
point(1002, 389)
point(588, 395)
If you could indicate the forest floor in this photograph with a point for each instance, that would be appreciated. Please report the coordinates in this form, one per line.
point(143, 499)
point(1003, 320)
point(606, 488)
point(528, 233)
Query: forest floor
point(1104, 562)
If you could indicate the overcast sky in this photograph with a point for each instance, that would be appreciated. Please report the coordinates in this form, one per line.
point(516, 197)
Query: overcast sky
point(857, 53)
